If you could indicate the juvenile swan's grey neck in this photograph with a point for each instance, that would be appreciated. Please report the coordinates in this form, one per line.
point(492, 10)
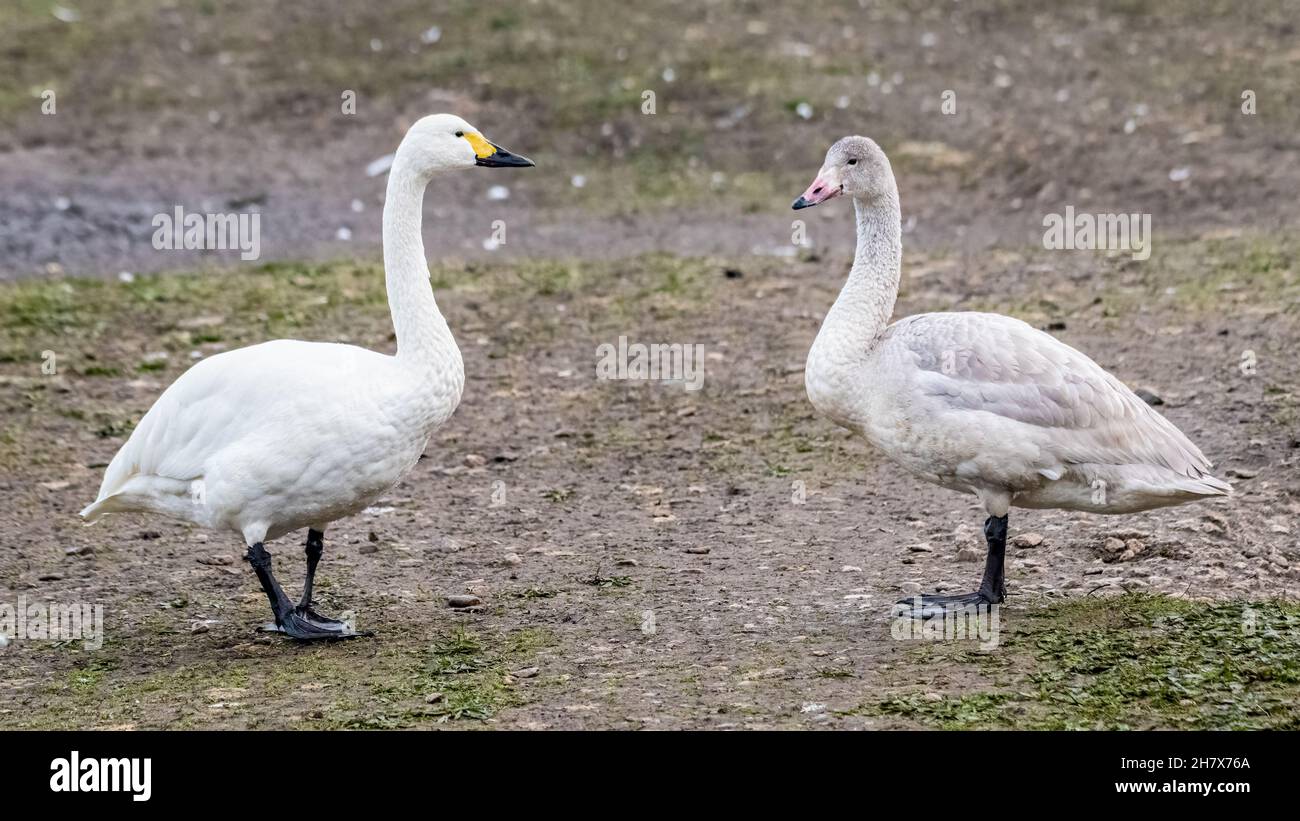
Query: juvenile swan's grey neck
point(861, 313)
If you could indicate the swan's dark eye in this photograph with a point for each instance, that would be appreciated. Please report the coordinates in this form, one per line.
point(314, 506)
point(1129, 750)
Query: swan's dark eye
point(853, 162)
point(460, 133)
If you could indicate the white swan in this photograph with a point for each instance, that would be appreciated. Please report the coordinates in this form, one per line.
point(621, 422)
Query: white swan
point(286, 434)
point(980, 403)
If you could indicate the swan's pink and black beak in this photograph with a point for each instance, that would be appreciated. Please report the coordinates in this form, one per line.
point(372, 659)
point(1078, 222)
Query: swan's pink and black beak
point(822, 189)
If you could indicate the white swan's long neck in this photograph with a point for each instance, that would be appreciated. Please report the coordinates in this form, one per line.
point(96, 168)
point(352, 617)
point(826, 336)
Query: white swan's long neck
point(855, 322)
point(423, 338)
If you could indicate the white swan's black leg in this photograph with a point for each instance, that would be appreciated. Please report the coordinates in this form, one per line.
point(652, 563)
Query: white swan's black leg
point(260, 559)
point(315, 546)
point(992, 590)
point(295, 622)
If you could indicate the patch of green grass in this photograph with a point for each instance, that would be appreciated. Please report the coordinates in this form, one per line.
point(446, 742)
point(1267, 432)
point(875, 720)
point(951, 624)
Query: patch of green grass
point(836, 672)
point(529, 640)
point(1192, 275)
point(549, 278)
point(85, 680)
point(531, 593)
point(285, 684)
point(460, 652)
point(468, 674)
point(1286, 414)
point(608, 582)
point(99, 691)
point(1215, 274)
point(978, 710)
point(1132, 662)
point(100, 370)
point(115, 428)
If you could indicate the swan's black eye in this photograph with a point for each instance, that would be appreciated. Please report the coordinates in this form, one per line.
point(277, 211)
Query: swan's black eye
point(460, 133)
point(853, 162)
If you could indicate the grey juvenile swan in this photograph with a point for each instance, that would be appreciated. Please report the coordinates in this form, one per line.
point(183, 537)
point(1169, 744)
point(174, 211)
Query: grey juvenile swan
point(976, 402)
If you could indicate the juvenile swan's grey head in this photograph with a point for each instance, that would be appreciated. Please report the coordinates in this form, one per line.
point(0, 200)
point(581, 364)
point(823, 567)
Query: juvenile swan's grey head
point(855, 166)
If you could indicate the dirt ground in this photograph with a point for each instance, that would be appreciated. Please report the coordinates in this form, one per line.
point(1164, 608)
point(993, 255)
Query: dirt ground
point(646, 556)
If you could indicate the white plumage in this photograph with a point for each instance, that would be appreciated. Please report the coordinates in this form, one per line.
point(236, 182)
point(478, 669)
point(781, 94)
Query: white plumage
point(279, 436)
point(979, 402)
point(287, 434)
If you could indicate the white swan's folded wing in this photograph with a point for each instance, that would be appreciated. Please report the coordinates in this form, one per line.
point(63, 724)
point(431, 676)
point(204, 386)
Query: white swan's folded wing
point(285, 386)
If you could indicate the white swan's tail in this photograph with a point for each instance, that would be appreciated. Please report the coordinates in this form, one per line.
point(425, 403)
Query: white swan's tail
point(123, 471)
point(100, 508)
point(120, 471)
point(142, 493)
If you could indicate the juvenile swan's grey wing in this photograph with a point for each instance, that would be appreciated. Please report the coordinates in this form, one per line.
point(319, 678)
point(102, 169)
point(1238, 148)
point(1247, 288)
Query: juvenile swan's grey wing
point(1025, 385)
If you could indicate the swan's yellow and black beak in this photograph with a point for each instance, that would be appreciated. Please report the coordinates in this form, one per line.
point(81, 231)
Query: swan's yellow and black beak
point(490, 155)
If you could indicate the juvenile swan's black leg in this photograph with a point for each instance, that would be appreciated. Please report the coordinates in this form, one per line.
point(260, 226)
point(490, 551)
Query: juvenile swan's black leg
point(290, 620)
point(993, 588)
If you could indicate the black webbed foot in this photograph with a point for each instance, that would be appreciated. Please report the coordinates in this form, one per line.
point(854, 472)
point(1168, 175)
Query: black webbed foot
point(933, 605)
point(993, 589)
point(305, 624)
point(299, 622)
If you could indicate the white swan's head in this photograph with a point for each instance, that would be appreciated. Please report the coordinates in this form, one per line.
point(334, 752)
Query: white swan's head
point(440, 142)
point(855, 166)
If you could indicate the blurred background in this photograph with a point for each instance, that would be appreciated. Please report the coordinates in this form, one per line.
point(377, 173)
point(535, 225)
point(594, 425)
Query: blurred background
point(1107, 105)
